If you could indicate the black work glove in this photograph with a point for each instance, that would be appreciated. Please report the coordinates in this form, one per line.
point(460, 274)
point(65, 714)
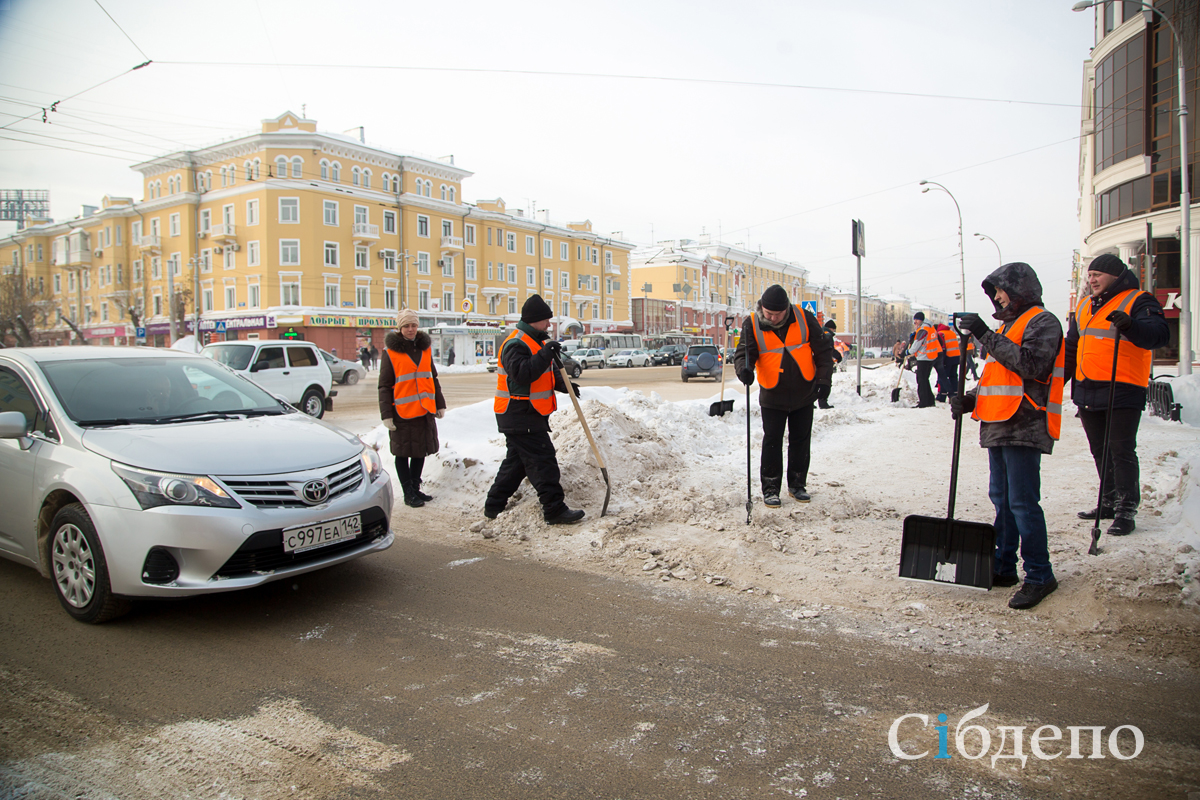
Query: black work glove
point(746, 376)
point(823, 391)
point(575, 389)
point(553, 348)
point(962, 404)
point(972, 324)
point(1122, 320)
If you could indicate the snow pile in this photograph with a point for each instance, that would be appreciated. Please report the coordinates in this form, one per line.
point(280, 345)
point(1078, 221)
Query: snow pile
point(1186, 392)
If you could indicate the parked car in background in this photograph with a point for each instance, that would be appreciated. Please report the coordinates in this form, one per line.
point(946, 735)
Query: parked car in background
point(570, 345)
point(573, 367)
point(702, 361)
point(343, 371)
point(589, 358)
point(138, 472)
point(629, 358)
point(285, 367)
point(670, 354)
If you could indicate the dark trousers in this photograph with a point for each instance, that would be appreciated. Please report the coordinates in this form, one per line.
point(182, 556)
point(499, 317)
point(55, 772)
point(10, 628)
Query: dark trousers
point(799, 428)
point(1121, 475)
point(408, 470)
point(530, 455)
point(948, 378)
point(1015, 489)
point(924, 392)
point(971, 367)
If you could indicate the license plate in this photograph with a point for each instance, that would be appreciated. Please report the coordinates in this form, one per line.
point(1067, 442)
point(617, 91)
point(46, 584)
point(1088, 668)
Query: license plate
point(308, 537)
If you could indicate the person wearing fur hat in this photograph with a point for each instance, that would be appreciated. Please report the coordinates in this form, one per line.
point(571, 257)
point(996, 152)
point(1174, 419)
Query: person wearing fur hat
point(410, 403)
point(786, 349)
point(822, 390)
point(1018, 403)
point(1116, 303)
point(526, 379)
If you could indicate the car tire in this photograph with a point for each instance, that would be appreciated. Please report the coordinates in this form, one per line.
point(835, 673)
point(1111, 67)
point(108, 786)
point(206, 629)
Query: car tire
point(684, 378)
point(576, 371)
point(601, 365)
point(351, 377)
point(313, 403)
point(78, 568)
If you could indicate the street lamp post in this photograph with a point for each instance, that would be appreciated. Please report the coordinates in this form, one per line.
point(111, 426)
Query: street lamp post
point(982, 236)
point(961, 260)
point(1185, 199)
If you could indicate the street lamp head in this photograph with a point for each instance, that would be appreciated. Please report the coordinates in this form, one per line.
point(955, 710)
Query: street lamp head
point(926, 189)
point(1083, 5)
point(922, 183)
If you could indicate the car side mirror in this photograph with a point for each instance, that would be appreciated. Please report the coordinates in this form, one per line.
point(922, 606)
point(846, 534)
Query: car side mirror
point(259, 366)
point(13, 425)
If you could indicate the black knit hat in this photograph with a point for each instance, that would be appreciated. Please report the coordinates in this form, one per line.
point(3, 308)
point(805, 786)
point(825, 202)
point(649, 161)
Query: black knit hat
point(535, 309)
point(775, 298)
point(831, 325)
point(919, 315)
point(1107, 263)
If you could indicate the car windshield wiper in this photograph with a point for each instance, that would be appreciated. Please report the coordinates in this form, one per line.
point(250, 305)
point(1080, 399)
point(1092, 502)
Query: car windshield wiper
point(198, 415)
point(103, 423)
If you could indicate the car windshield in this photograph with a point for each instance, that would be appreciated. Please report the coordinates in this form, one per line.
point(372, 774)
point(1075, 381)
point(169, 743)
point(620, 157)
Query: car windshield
point(625, 353)
point(120, 391)
point(702, 348)
point(234, 356)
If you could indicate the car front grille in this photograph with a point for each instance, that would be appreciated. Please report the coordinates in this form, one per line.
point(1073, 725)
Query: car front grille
point(263, 551)
point(287, 492)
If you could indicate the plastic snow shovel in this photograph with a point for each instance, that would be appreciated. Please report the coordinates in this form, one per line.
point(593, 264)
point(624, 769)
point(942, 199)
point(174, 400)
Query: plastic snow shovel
point(1094, 550)
point(723, 406)
point(949, 550)
point(900, 377)
point(588, 431)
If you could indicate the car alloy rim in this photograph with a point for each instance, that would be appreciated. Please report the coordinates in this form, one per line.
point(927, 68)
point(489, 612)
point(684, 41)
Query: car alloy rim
point(74, 566)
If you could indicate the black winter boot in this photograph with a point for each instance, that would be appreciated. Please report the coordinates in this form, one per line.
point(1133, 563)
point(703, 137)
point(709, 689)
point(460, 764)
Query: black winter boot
point(412, 497)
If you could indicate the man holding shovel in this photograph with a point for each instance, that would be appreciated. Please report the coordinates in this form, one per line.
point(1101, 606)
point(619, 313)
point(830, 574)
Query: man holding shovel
point(784, 346)
point(526, 380)
point(1095, 362)
point(1019, 403)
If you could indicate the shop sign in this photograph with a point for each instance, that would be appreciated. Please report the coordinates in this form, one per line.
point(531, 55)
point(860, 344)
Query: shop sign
point(106, 331)
point(238, 323)
point(340, 321)
point(1170, 301)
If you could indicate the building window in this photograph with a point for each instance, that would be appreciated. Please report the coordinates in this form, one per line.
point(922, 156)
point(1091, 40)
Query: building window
point(511, 242)
point(564, 280)
point(289, 291)
point(564, 251)
point(422, 263)
point(608, 311)
point(335, 172)
point(1120, 104)
point(252, 254)
point(512, 273)
point(297, 167)
point(332, 295)
point(253, 299)
point(289, 252)
point(155, 269)
point(230, 297)
point(330, 212)
point(470, 269)
point(389, 299)
point(389, 260)
point(281, 167)
point(447, 228)
point(251, 212)
point(530, 276)
point(452, 200)
point(469, 234)
point(360, 258)
point(355, 176)
point(423, 299)
point(512, 305)
point(443, 191)
point(529, 248)
point(548, 278)
point(566, 308)
point(547, 248)
point(389, 222)
point(607, 259)
point(423, 226)
point(289, 210)
point(362, 295)
point(58, 282)
point(331, 254)
point(207, 298)
point(324, 170)
point(447, 267)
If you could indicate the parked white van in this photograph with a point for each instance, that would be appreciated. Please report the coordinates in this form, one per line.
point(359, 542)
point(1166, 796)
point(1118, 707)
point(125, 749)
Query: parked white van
point(291, 369)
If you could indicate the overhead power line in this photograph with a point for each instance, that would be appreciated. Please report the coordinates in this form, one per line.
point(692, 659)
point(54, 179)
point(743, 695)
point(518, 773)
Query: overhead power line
point(122, 30)
point(53, 107)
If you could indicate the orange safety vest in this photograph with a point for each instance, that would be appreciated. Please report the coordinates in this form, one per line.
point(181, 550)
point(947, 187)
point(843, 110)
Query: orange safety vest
point(1098, 336)
point(541, 393)
point(414, 393)
point(932, 345)
point(950, 342)
point(769, 366)
point(1001, 390)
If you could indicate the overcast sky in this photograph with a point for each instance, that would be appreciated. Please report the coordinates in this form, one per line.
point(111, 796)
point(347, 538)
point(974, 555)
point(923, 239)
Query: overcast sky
point(768, 124)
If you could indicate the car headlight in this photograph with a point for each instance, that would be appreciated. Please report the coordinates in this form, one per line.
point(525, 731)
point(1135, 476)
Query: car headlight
point(372, 463)
point(153, 489)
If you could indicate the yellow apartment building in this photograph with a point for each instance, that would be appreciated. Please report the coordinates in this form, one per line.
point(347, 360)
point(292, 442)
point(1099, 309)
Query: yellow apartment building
point(298, 233)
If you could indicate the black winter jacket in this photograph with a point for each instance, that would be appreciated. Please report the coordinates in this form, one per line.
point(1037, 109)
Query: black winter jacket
point(523, 368)
point(1033, 359)
point(416, 437)
point(793, 391)
point(1149, 332)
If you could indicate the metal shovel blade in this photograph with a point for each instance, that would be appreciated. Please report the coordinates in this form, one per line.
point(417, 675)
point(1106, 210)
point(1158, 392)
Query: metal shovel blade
point(720, 408)
point(947, 551)
point(895, 395)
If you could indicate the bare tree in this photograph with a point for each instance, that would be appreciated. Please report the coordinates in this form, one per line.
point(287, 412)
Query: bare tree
point(24, 307)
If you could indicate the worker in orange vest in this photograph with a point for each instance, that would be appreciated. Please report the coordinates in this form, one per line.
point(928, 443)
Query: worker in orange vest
point(948, 366)
point(1116, 304)
point(925, 345)
point(1019, 404)
point(526, 380)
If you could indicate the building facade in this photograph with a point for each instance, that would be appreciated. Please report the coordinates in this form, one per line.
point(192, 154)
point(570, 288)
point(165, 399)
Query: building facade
point(293, 232)
point(1129, 159)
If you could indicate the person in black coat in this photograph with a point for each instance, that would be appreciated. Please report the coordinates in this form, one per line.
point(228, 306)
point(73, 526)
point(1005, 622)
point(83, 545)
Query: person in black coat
point(824, 389)
point(530, 453)
point(788, 405)
point(1142, 328)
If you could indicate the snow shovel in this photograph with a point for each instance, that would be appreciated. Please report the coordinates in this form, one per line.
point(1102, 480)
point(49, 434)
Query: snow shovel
point(588, 431)
point(949, 550)
point(900, 377)
point(723, 406)
point(1094, 550)
point(749, 496)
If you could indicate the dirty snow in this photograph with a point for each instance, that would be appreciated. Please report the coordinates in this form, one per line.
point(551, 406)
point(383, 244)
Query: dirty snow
point(677, 515)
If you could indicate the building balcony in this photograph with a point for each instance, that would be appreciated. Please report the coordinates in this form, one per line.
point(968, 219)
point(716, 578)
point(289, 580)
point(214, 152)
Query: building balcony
point(225, 232)
point(365, 234)
point(76, 257)
point(452, 244)
point(150, 242)
point(612, 269)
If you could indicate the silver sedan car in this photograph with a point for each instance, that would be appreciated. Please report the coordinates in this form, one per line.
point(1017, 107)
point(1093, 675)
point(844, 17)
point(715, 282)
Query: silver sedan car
point(133, 472)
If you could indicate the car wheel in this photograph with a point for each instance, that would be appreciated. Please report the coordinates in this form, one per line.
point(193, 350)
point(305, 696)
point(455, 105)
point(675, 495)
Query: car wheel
point(576, 372)
point(78, 568)
point(684, 376)
point(601, 365)
point(313, 403)
point(351, 377)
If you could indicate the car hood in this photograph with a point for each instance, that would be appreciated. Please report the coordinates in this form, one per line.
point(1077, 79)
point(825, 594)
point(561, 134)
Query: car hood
point(254, 446)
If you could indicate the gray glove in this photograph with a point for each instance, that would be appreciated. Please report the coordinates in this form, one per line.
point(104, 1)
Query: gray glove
point(390, 424)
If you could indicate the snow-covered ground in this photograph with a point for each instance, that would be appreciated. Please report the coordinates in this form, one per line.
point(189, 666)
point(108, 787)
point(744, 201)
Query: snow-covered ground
point(677, 514)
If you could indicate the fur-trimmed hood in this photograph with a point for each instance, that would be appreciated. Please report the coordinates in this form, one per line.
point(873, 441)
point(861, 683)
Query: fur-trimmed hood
point(394, 340)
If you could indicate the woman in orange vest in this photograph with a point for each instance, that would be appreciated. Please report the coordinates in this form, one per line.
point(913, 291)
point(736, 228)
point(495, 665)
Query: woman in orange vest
point(1018, 402)
point(1116, 304)
point(927, 349)
point(410, 403)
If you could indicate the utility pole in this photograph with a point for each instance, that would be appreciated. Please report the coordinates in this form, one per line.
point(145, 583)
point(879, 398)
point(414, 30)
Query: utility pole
point(194, 262)
point(171, 300)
